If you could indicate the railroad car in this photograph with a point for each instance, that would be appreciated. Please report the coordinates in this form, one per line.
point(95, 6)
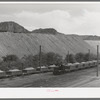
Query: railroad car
point(14, 72)
point(51, 67)
point(42, 69)
point(59, 70)
point(29, 70)
point(87, 64)
point(76, 65)
point(91, 63)
point(56, 71)
point(83, 65)
point(94, 63)
point(2, 74)
point(67, 67)
point(72, 67)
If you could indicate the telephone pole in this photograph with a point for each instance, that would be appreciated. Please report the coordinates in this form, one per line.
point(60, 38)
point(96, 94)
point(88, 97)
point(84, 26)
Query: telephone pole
point(40, 57)
point(89, 54)
point(97, 59)
point(68, 57)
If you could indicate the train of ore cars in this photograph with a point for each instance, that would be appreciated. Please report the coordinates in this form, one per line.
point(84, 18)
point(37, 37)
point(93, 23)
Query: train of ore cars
point(64, 68)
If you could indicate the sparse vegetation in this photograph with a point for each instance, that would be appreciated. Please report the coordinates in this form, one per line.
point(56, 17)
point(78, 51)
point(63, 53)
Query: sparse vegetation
point(79, 57)
point(46, 59)
point(50, 58)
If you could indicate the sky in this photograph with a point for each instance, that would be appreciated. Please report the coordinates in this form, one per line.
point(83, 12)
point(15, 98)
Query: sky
point(68, 18)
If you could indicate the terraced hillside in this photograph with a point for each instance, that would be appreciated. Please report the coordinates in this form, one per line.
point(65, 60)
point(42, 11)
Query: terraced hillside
point(28, 43)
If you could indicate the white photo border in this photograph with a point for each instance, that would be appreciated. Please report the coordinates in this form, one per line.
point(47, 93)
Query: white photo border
point(53, 92)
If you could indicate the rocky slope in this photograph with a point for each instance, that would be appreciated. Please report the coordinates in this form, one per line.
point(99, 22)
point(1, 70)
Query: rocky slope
point(24, 44)
point(45, 31)
point(12, 27)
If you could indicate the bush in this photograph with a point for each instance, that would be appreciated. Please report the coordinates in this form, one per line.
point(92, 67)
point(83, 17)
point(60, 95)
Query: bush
point(93, 56)
point(17, 65)
point(50, 58)
point(33, 61)
point(28, 61)
point(87, 57)
point(11, 62)
point(79, 57)
point(90, 57)
point(53, 58)
point(4, 66)
point(10, 58)
point(70, 58)
point(46, 59)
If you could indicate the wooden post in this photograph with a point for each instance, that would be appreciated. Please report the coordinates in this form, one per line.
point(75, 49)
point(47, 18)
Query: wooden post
point(68, 57)
point(40, 57)
point(89, 54)
point(97, 59)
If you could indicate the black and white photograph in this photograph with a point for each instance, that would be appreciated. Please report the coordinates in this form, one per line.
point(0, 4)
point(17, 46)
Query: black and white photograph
point(48, 45)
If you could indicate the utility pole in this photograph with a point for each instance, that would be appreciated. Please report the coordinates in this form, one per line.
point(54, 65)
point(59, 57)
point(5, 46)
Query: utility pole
point(97, 59)
point(40, 57)
point(68, 57)
point(89, 54)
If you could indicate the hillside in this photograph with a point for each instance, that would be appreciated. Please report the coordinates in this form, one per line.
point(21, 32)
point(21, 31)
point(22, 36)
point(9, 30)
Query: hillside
point(50, 40)
point(90, 37)
point(93, 43)
point(45, 31)
point(24, 44)
point(12, 27)
point(92, 40)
